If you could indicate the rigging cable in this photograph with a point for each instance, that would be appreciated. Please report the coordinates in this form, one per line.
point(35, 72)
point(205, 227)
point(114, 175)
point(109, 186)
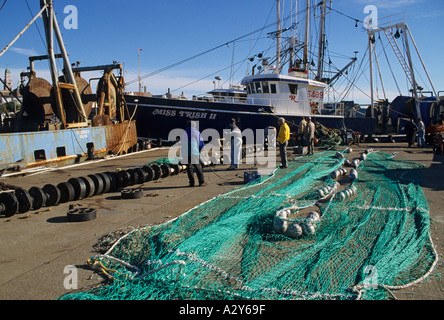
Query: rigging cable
point(3, 4)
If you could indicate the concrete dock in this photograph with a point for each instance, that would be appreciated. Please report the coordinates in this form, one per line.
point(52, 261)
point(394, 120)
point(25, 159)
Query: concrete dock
point(37, 246)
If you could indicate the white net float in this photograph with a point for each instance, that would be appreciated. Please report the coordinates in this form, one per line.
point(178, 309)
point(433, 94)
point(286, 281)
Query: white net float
point(293, 231)
point(334, 174)
point(355, 163)
point(314, 216)
point(353, 174)
point(308, 228)
point(279, 225)
point(340, 196)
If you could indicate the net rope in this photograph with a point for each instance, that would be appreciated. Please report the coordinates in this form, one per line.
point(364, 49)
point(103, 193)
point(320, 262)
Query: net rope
point(227, 247)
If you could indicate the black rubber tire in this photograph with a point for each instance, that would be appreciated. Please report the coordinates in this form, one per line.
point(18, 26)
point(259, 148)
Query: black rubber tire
point(67, 192)
point(79, 188)
point(53, 194)
point(38, 197)
point(124, 179)
point(90, 186)
point(24, 199)
point(136, 193)
point(165, 170)
point(134, 176)
point(98, 184)
point(10, 203)
point(81, 214)
point(115, 181)
point(157, 171)
point(149, 173)
point(106, 182)
point(142, 175)
point(175, 168)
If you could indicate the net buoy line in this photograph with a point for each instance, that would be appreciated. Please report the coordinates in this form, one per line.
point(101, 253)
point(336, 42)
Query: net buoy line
point(107, 255)
point(229, 249)
point(137, 269)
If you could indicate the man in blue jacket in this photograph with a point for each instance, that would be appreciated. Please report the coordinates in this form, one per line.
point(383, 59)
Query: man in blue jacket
point(192, 144)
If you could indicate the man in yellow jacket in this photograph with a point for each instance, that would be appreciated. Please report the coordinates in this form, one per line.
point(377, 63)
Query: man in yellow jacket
point(283, 137)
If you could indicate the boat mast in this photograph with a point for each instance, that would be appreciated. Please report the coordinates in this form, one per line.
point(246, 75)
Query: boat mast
point(51, 26)
point(307, 31)
point(323, 5)
point(278, 38)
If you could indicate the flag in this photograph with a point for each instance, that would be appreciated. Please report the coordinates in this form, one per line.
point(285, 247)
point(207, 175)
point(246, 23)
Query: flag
point(140, 49)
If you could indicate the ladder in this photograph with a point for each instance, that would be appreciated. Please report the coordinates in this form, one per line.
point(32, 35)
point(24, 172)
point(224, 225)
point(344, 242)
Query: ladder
point(400, 56)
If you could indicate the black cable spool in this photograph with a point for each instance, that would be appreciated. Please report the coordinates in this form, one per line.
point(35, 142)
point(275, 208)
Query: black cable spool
point(149, 173)
point(142, 175)
point(53, 194)
point(165, 170)
point(106, 182)
point(67, 192)
point(79, 188)
point(24, 200)
point(124, 179)
point(134, 176)
point(90, 186)
point(38, 197)
point(176, 169)
point(98, 184)
point(157, 171)
point(114, 181)
point(8, 204)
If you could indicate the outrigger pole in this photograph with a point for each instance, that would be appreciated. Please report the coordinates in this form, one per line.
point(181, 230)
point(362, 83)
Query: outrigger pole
point(405, 61)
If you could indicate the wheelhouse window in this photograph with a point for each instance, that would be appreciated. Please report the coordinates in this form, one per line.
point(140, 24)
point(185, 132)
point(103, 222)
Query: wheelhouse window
point(258, 87)
point(265, 87)
point(273, 88)
point(251, 88)
point(293, 88)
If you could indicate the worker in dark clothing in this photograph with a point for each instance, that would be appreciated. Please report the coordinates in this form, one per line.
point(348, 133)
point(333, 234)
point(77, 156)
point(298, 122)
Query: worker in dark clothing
point(192, 144)
point(410, 132)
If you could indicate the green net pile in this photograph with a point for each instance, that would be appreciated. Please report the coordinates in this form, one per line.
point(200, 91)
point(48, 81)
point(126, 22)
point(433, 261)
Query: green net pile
point(226, 248)
point(327, 137)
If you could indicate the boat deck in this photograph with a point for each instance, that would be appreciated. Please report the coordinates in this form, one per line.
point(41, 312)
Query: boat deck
point(38, 245)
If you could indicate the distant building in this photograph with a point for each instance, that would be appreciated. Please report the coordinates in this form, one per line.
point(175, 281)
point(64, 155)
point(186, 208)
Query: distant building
point(8, 80)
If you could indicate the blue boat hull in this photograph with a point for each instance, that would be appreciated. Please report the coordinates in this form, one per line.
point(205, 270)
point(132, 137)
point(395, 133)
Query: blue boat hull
point(30, 149)
point(157, 117)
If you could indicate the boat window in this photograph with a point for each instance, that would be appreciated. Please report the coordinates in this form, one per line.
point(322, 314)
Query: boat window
point(265, 87)
point(258, 87)
point(273, 88)
point(293, 88)
point(39, 155)
point(251, 86)
point(61, 151)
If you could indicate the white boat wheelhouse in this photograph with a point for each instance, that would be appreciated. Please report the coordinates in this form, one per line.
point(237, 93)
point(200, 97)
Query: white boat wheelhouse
point(290, 94)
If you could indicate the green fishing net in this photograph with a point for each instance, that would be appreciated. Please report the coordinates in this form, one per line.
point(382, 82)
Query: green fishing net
point(364, 246)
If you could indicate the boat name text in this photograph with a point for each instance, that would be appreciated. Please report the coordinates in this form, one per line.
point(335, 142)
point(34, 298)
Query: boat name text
point(187, 114)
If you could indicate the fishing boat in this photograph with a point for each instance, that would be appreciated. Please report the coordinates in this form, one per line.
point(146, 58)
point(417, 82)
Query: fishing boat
point(267, 94)
point(65, 122)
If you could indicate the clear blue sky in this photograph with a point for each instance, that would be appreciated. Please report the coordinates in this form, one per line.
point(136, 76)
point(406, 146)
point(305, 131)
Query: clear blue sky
point(173, 30)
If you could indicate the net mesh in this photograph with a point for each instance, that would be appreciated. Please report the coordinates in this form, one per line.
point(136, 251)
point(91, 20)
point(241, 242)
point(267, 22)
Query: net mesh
point(227, 247)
